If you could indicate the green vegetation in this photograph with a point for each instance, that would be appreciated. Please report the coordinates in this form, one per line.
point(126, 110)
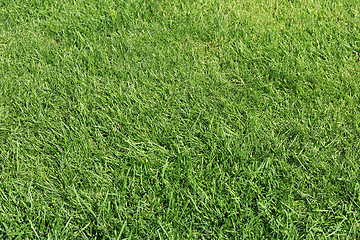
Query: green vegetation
point(181, 119)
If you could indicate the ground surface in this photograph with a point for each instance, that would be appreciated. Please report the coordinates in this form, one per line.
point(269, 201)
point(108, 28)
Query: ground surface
point(179, 119)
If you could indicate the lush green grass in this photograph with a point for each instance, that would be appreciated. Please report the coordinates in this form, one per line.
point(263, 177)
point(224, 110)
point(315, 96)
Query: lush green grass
point(179, 119)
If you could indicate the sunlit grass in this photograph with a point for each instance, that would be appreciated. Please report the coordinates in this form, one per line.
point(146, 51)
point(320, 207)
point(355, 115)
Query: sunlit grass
point(179, 119)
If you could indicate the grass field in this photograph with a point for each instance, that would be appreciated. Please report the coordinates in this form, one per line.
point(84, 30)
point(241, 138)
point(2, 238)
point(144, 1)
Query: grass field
point(163, 119)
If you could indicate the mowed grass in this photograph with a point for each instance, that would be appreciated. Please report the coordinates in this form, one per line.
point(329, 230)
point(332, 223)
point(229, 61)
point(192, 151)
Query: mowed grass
point(161, 119)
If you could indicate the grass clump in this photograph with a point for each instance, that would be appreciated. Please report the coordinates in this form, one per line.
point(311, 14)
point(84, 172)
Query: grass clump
point(179, 119)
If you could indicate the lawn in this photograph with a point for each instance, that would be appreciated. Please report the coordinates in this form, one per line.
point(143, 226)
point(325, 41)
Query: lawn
point(186, 119)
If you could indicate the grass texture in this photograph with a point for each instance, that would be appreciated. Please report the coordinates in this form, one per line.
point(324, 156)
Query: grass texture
point(163, 119)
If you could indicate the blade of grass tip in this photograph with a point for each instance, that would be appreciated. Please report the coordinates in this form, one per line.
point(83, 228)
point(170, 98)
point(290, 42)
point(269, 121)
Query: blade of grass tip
point(18, 234)
point(81, 230)
point(122, 230)
point(66, 225)
point(33, 228)
point(167, 235)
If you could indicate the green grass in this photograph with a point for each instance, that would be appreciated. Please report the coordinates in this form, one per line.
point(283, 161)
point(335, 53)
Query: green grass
point(185, 119)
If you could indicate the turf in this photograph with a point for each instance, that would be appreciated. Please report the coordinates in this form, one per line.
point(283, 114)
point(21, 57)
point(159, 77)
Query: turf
point(161, 119)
